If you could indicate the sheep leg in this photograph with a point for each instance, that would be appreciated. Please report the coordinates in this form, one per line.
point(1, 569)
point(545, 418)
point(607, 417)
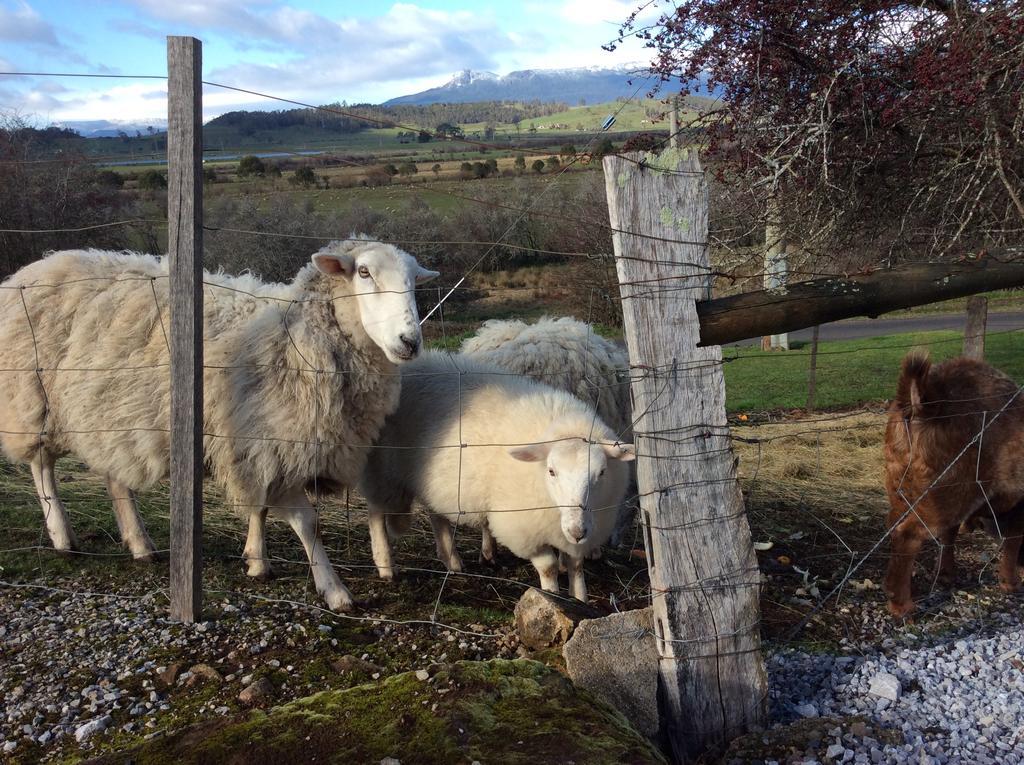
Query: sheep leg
point(947, 557)
point(546, 563)
point(486, 545)
point(56, 517)
point(255, 552)
point(577, 582)
point(302, 517)
point(444, 538)
point(133, 530)
point(380, 544)
point(907, 538)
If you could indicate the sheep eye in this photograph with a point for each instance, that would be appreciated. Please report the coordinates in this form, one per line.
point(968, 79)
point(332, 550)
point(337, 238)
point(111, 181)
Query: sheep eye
point(364, 272)
point(551, 472)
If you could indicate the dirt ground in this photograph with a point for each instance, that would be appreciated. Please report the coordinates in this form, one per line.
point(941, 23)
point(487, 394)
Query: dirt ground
point(814, 498)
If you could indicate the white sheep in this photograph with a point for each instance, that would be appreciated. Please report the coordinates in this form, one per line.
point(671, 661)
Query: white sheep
point(298, 379)
point(564, 353)
point(476, 445)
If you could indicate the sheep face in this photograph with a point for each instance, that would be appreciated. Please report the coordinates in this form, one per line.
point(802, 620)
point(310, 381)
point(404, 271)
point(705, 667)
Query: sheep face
point(577, 479)
point(382, 279)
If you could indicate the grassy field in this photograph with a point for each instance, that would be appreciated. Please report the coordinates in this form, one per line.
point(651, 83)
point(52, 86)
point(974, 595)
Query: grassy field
point(850, 372)
point(579, 126)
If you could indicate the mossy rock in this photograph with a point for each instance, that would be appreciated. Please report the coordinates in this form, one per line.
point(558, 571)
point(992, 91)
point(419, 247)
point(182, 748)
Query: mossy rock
point(493, 711)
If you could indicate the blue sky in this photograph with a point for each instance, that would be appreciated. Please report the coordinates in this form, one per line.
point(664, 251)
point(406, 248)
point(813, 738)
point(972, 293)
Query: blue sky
point(307, 50)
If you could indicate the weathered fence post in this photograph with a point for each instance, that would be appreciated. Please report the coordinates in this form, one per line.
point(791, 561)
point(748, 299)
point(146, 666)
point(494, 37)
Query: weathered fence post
point(673, 122)
point(974, 332)
point(185, 251)
point(704, 576)
point(812, 372)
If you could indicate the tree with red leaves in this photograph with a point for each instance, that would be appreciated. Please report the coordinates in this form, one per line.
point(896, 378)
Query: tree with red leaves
point(885, 130)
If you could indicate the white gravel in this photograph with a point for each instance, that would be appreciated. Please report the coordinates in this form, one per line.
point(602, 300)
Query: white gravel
point(958, 699)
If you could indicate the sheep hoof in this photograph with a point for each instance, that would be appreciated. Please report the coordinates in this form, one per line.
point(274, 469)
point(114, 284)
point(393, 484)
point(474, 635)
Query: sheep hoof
point(148, 558)
point(67, 552)
point(340, 602)
point(386, 574)
point(260, 573)
point(1009, 587)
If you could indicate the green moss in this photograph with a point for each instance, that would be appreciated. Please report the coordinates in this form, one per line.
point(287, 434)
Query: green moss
point(513, 711)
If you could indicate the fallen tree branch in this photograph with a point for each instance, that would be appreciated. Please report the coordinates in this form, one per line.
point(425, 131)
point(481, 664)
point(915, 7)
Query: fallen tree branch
point(805, 304)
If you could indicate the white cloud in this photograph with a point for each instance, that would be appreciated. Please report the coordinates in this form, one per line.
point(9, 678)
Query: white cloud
point(353, 59)
point(22, 24)
point(134, 101)
point(609, 13)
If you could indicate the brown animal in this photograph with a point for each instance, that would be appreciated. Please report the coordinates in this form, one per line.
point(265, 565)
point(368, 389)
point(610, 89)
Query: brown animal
point(954, 452)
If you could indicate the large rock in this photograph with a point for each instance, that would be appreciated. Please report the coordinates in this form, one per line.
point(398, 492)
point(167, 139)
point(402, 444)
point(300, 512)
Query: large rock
point(515, 712)
point(615, 657)
point(545, 621)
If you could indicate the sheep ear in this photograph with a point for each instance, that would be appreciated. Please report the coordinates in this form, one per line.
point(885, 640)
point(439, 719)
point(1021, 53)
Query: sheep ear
point(531, 453)
point(624, 452)
point(334, 264)
point(424, 275)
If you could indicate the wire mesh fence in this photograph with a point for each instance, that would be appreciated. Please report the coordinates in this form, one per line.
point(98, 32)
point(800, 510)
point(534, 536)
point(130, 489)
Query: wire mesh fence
point(812, 482)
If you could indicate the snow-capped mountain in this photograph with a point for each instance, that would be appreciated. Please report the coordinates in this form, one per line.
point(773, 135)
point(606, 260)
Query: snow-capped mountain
point(593, 84)
point(111, 128)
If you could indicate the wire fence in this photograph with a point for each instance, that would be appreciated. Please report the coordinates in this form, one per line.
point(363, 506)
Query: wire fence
point(813, 482)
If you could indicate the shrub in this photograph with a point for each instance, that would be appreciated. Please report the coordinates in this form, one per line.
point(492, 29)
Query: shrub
point(250, 165)
point(152, 180)
point(110, 179)
point(304, 177)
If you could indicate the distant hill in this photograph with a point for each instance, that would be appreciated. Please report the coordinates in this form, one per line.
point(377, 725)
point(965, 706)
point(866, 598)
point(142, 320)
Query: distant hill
point(113, 128)
point(590, 84)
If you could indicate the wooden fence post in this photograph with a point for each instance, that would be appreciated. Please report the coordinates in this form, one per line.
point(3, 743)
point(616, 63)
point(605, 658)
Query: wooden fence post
point(185, 251)
point(704, 576)
point(974, 332)
point(812, 372)
point(673, 122)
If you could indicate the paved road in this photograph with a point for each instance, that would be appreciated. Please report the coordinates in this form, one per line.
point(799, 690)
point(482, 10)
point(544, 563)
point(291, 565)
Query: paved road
point(852, 329)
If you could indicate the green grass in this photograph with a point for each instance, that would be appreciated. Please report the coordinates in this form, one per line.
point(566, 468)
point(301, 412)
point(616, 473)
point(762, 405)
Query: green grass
point(850, 372)
point(998, 300)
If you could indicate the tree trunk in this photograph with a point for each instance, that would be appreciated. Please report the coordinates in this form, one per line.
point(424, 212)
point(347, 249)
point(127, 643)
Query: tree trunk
point(776, 268)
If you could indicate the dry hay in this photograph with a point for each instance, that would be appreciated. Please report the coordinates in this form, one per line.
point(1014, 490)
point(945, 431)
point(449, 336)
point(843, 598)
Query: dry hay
point(825, 462)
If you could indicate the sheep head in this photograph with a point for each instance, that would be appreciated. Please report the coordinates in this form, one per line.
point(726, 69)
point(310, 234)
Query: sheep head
point(578, 477)
point(382, 279)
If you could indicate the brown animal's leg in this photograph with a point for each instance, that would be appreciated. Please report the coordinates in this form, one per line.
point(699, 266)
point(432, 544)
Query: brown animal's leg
point(947, 557)
point(1009, 575)
point(907, 538)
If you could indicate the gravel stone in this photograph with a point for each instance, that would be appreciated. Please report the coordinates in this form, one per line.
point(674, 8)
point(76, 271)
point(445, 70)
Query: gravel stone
point(886, 686)
point(257, 693)
point(84, 732)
